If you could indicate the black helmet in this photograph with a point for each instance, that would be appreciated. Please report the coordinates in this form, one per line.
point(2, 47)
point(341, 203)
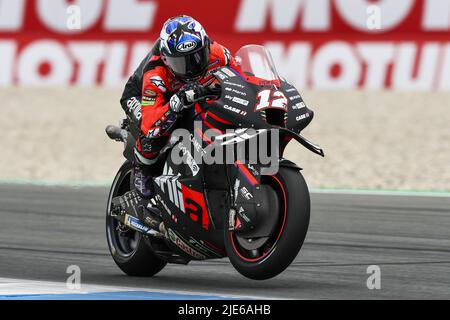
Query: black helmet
point(184, 47)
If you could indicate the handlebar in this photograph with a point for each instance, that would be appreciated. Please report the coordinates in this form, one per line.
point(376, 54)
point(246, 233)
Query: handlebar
point(211, 93)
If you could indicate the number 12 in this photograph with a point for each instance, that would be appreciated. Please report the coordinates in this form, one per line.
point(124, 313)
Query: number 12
point(271, 99)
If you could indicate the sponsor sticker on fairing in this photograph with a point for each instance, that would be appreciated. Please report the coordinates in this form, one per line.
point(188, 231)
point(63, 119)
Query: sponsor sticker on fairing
point(231, 219)
point(184, 246)
point(301, 117)
point(242, 214)
point(237, 100)
point(299, 105)
point(242, 93)
point(236, 110)
point(197, 145)
point(135, 224)
point(228, 83)
point(245, 193)
point(189, 159)
point(236, 189)
point(240, 101)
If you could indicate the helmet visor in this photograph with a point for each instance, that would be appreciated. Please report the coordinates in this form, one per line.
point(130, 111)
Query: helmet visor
point(191, 65)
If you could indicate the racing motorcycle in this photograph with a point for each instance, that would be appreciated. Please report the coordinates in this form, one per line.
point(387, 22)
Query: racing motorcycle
point(242, 208)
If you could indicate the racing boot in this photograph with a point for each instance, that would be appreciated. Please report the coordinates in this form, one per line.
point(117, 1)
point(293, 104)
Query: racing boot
point(146, 212)
point(143, 183)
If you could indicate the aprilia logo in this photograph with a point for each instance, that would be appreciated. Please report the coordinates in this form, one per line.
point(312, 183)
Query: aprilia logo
point(170, 185)
point(189, 201)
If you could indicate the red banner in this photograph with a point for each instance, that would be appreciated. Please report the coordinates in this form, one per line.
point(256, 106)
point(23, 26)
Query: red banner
point(340, 44)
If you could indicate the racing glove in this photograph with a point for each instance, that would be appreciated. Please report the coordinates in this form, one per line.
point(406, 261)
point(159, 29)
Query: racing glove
point(183, 98)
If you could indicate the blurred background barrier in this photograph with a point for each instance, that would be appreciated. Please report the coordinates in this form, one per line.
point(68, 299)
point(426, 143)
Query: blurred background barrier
point(321, 44)
point(377, 73)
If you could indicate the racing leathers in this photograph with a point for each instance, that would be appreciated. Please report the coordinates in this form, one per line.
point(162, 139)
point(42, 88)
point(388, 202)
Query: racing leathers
point(146, 100)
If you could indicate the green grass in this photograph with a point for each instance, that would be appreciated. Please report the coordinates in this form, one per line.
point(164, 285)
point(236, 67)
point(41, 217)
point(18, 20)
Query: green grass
point(83, 183)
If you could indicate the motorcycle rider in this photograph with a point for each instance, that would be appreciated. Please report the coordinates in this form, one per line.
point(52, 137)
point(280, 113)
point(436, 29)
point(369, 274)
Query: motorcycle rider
point(163, 86)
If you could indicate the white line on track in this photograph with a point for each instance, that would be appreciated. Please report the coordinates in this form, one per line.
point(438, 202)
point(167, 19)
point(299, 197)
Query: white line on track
point(381, 192)
point(21, 287)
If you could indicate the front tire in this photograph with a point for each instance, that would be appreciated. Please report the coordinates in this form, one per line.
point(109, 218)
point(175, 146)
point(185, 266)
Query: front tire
point(287, 239)
point(128, 248)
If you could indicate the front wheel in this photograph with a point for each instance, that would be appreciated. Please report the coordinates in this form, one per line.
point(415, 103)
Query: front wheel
point(276, 253)
point(128, 248)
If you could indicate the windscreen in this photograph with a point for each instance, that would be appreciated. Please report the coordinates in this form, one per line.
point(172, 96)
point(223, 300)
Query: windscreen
point(256, 61)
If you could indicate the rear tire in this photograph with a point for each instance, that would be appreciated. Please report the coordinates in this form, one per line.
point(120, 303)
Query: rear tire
point(129, 249)
point(287, 239)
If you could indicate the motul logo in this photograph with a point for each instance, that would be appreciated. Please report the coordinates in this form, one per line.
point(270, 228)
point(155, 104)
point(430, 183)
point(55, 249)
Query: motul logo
point(114, 15)
point(252, 15)
point(369, 65)
point(411, 51)
point(317, 15)
point(186, 46)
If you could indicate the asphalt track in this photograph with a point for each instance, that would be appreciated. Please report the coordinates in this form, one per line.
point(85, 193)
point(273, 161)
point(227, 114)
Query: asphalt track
point(45, 229)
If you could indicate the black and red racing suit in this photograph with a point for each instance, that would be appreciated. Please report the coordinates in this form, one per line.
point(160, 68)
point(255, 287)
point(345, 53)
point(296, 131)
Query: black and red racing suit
point(147, 93)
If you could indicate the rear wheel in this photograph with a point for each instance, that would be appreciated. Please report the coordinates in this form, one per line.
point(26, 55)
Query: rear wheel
point(261, 259)
point(128, 248)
